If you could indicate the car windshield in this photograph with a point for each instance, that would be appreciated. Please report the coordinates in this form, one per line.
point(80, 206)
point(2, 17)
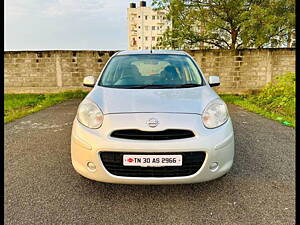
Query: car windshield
point(151, 71)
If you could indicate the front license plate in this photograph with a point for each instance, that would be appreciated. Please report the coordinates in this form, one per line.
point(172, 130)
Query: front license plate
point(152, 160)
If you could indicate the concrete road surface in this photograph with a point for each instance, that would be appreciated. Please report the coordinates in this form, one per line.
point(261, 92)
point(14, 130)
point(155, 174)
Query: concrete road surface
point(41, 186)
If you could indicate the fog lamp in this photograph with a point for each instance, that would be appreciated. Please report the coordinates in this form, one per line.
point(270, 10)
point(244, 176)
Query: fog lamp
point(91, 166)
point(214, 166)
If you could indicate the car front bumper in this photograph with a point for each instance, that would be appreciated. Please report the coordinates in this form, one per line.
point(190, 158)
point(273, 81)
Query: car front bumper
point(86, 144)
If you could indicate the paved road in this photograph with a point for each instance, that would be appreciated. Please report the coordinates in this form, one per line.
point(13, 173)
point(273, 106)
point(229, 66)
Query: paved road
point(41, 186)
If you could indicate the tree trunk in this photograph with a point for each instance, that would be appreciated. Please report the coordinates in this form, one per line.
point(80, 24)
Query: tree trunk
point(289, 40)
point(234, 34)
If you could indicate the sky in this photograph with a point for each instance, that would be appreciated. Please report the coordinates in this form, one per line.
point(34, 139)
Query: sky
point(66, 24)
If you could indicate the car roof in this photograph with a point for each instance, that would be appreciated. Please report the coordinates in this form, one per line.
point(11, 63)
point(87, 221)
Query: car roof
point(153, 52)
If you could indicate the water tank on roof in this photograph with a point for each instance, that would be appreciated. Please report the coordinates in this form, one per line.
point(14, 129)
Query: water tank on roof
point(142, 3)
point(132, 5)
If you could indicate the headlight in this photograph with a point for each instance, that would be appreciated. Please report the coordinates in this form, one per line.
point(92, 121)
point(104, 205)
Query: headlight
point(215, 114)
point(89, 114)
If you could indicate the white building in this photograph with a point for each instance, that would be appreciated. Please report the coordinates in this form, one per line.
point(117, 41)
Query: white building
point(145, 26)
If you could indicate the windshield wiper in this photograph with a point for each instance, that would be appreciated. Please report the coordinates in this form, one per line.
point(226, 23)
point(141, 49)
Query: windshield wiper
point(154, 86)
point(187, 85)
point(146, 86)
point(164, 86)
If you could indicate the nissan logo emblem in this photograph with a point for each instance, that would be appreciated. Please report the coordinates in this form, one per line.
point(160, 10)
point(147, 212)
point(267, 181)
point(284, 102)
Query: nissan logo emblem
point(152, 122)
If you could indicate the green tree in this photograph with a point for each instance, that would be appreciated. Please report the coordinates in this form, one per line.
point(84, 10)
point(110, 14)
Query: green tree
point(228, 24)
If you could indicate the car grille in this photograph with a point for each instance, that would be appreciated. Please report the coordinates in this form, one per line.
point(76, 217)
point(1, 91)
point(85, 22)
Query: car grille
point(113, 162)
point(168, 134)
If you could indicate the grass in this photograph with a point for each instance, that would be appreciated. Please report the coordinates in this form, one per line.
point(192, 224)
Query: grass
point(247, 103)
point(20, 105)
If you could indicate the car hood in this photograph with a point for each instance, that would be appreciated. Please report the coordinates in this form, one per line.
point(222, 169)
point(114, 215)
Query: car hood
point(179, 100)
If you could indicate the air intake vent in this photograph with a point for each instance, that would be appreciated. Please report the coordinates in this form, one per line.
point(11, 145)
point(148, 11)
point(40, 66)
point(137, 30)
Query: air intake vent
point(169, 134)
point(191, 163)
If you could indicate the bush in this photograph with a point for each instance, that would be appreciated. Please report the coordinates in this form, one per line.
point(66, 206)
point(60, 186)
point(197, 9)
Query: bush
point(278, 96)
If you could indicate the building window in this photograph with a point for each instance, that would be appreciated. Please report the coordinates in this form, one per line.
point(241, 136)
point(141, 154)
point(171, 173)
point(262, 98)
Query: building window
point(147, 47)
point(139, 16)
point(139, 47)
point(153, 27)
point(139, 37)
point(146, 27)
point(153, 17)
point(158, 17)
point(146, 38)
point(146, 17)
point(153, 38)
point(139, 27)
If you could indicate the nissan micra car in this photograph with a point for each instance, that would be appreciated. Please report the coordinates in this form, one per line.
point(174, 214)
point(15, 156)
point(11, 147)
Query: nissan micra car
point(152, 118)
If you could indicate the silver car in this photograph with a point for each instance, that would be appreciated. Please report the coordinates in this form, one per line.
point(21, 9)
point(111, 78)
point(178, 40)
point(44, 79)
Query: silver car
point(152, 118)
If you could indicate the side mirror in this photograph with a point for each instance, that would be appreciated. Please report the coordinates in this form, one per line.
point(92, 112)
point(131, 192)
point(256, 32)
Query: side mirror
point(214, 81)
point(89, 81)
